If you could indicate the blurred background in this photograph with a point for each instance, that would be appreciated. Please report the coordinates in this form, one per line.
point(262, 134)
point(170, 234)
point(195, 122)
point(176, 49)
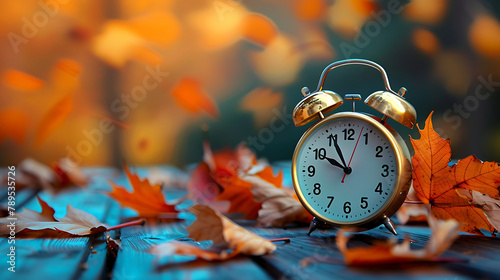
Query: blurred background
point(144, 82)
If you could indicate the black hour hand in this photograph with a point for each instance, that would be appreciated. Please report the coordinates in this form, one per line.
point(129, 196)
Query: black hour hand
point(334, 162)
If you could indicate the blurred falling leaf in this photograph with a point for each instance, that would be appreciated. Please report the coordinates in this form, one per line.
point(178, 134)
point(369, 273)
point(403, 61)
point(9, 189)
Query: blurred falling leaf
point(191, 97)
point(453, 69)
point(443, 235)
point(117, 44)
point(259, 29)
point(146, 199)
point(426, 11)
point(311, 10)
point(484, 36)
point(53, 119)
point(212, 225)
point(76, 222)
point(261, 98)
point(347, 16)
point(65, 75)
point(260, 101)
point(14, 123)
point(435, 182)
point(425, 41)
point(314, 45)
point(215, 29)
point(158, 27)
point(279, 64)
point(21, 81)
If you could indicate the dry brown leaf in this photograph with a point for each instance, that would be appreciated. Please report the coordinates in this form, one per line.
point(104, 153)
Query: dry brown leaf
point(76, 222)
point(490, 206)
point(279, 207)
point(435, 182)
point(59, 175)
point(212, 225)
point(168, 249)
point(443, 235)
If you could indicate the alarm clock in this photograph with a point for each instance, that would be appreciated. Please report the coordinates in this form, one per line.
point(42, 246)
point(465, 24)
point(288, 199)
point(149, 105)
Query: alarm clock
point(352, 169)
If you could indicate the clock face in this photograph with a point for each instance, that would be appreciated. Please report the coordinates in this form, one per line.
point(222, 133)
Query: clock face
point(346, 170)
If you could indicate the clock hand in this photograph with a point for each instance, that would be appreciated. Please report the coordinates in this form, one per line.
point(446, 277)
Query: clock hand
point(339, 152)
point(334, 162)
point(354, 150)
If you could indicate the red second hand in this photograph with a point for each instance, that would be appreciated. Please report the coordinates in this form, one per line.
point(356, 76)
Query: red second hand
point(355, 146)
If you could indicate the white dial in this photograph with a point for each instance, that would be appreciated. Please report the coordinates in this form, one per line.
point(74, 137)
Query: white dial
point(346, 170)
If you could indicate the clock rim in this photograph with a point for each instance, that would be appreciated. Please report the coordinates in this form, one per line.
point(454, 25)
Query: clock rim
point(401, 185)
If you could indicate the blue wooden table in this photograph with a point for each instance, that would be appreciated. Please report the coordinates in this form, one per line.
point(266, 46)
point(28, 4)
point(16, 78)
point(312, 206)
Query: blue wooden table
point(91, 258)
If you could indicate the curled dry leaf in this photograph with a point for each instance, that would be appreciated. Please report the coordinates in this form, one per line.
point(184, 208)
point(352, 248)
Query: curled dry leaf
point(412, 213)
point(76, 222)
point(443, 235)
point(212, 225)
point(185, 249)
point(435, 182)
point(279, 207)
point(490, 206)
point(146, 199)
point(61, 174)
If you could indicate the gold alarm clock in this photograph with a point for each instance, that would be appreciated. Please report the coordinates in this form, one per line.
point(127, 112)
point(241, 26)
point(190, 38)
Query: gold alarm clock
point(352, 169)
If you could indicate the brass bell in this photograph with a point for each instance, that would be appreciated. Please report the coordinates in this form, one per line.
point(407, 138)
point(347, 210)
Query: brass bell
point(315, 105)
point(393, 106)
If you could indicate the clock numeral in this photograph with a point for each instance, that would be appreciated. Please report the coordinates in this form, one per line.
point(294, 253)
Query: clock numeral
point(385, 173)
point(379, 151)
point(317, 189)
point(364, 202)
point(319, 154)
point(379, 188)
point(331, 198)
point(348, 134)
point(366, 138)
point(347, 207)
point(312, 170)
point(331, 139)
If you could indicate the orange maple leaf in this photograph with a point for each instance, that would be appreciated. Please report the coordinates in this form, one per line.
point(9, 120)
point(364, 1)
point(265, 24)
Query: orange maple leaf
point(189, 94)
point(146, 199)
point(436, 182)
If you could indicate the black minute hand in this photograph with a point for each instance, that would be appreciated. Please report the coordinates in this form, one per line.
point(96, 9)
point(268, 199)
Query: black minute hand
point(339, 152)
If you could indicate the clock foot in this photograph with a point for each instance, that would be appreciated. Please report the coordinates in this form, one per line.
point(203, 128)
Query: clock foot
point(390, 225)
point(315, 223)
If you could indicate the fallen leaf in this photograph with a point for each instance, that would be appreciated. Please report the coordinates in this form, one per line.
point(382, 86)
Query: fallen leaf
point(412, 213)
point(14, 123)
point(490, 206)
point(212, 225)
point(279, 207)
point(443, 235)
point(190, 96)
point(69, 173)
point(21, 81)
point(181, 248)
point(435, 182)
point(53, 119)
point(76, 222)
point(146, 199)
